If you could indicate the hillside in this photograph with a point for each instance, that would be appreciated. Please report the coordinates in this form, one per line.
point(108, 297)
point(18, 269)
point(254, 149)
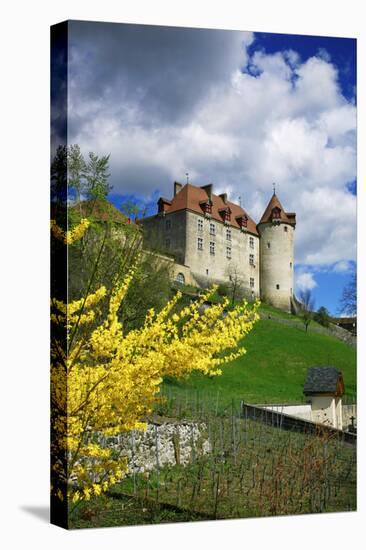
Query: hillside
point(272, 371)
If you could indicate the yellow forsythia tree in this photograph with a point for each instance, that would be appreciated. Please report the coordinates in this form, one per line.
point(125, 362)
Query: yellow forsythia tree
point(107, 381)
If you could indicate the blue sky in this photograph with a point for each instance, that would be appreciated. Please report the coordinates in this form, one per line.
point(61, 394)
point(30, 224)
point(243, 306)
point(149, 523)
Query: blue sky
point(342, 53)
point(236, 109)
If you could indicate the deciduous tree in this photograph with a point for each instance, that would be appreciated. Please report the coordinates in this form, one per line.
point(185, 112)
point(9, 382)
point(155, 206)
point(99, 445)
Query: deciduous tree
point(348, 302)
point(307, 306)
point(96, 175)
point(322, 316)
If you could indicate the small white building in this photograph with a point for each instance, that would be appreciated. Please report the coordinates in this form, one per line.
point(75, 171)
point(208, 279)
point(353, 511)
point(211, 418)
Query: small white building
point(324, 386)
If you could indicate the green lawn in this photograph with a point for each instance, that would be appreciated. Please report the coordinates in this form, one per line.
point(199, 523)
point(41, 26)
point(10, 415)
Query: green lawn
point(272, 371)
point(274, 312)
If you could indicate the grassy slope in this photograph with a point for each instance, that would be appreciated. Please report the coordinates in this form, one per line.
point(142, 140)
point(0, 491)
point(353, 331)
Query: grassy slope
point(274, 368)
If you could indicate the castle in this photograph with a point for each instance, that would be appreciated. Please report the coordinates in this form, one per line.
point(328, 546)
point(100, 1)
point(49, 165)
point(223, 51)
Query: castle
point(213, 240)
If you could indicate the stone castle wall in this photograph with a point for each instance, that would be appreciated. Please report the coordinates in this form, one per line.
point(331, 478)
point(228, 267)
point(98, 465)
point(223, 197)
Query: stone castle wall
point(270, 271)
point(166, 234)
point(208, 268)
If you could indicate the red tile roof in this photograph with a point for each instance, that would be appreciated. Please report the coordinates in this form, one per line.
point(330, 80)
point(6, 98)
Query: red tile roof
point(287, 217)
point(190, 197)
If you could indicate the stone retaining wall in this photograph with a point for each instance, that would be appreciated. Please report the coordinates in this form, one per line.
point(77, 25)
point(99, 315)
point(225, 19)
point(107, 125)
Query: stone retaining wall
point(166, 442)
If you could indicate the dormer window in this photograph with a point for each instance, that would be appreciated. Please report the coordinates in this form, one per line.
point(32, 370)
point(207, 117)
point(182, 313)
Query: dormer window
point(242, 221)
point(225, 213)
point(206, 207)
point(276, 213)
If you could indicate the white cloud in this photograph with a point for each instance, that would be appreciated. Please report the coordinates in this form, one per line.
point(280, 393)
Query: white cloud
point(284, 120)
point(304, 280)
point(342, 267)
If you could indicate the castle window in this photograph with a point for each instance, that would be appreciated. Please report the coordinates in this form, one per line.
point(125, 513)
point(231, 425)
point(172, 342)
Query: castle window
point(230, 278)
point(251, 259)
point(212, 229)
point(200, 243)
point(180, 278)
point(206, 271)
point(167, 243)
point(251, 242)
point(290, 264)
point(278, 287)
point(251, 282)
point(228, 252)
point(228, 234)
point(168, 224)
point(285, 228)
point(212, 249)
point(268, 245)
point(200, 225)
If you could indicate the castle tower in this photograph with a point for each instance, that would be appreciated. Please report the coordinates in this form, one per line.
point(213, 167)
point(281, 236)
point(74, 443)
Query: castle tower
point(276, 229)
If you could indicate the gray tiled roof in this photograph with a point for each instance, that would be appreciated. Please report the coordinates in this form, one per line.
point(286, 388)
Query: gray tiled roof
point(322, 380)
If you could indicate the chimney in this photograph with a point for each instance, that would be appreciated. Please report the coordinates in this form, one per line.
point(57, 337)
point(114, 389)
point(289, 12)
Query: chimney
point(163, 205)
point(223, 196)
point(208, 189)
point(177, 187)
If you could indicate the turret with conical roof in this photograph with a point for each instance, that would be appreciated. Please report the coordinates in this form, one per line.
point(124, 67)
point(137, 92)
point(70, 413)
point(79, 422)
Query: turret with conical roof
point(276, 229)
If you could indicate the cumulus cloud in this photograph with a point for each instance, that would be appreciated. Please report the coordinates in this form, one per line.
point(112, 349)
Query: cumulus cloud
point(343, 267)
point(305, 281)
point(164, 101)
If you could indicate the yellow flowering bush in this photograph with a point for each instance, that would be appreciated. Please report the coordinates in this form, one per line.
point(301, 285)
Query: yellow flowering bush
point(72, 235)
point(107, 381)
